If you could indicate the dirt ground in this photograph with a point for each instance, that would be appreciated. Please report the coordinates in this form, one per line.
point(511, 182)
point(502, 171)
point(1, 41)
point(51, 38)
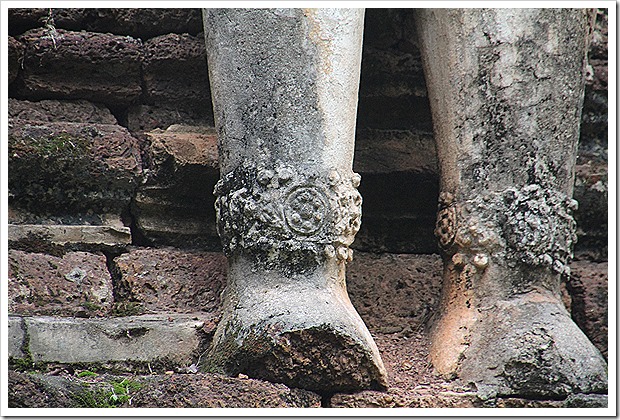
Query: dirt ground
point(412, 383)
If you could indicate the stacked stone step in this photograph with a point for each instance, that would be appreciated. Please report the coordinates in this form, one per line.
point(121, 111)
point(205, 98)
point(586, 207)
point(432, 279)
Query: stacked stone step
point(112, 163)
point(85, 86)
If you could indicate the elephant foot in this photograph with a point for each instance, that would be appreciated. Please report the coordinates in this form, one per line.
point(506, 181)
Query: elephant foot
point(503, 326)
point(526, 346)
point(300, 335)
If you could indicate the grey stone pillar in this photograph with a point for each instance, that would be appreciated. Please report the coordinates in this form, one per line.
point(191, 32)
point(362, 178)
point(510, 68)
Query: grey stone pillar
point(506, 90)
point(284, 85)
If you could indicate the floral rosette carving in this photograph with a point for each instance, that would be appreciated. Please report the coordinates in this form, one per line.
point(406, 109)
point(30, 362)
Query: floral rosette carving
point(286, 218)
point(533, 225)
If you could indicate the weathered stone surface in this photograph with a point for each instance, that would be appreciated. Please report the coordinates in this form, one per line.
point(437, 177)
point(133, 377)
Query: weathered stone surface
point(150, 117)
point(391, 35)
point(156, 391)
point(72, 234)
point(21, 20)
point(588, 287)
point(175, 71)
point(394, 293)
point(391, 67)
point(451, 399)
point(175, 204)
point(78, 111)
point(162, 220)
point(76, 284)
point(182, 147)
point(389, 151)
point(139, 23)
point(80, 65)
point(209, 390)
point(59, 168)
point(591, 183)
point(594, 126)
point(19, 216)
point(16, 338)
point(392, 163)
point(396, 233)
point(393, 220)
point(172, 339)
point(587, 401)
point(167, 279)
point(381, 112)
point(15, 57)
point(38, 391)
point(598, 79)
point(412, 384)
point(374, 399)
point(145, 22)
point(410, 375)
point(594, 121)
point(542, 352)
point(599, 40)
point(392, 29)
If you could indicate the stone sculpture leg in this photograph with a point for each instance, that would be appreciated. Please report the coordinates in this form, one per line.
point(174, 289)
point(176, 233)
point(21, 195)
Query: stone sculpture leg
point(285, 85)
point(506, 89)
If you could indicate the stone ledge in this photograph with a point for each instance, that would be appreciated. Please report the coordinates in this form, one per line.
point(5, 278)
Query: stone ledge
point(76, 111)
point(175, 205)
point(72, 234)
point(171, 339)
point(17, 337)
point(393, 293)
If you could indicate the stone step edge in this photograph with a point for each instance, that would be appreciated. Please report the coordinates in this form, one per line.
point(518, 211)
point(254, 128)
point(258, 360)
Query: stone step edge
point(173, 341)
point(68, 234)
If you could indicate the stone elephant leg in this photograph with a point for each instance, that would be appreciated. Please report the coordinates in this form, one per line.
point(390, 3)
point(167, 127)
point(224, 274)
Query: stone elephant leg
point(506, 89)
point(285, 85)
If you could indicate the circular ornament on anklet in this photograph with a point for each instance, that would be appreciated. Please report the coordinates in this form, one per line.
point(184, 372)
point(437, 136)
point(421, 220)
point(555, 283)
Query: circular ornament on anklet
point(305, 210)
